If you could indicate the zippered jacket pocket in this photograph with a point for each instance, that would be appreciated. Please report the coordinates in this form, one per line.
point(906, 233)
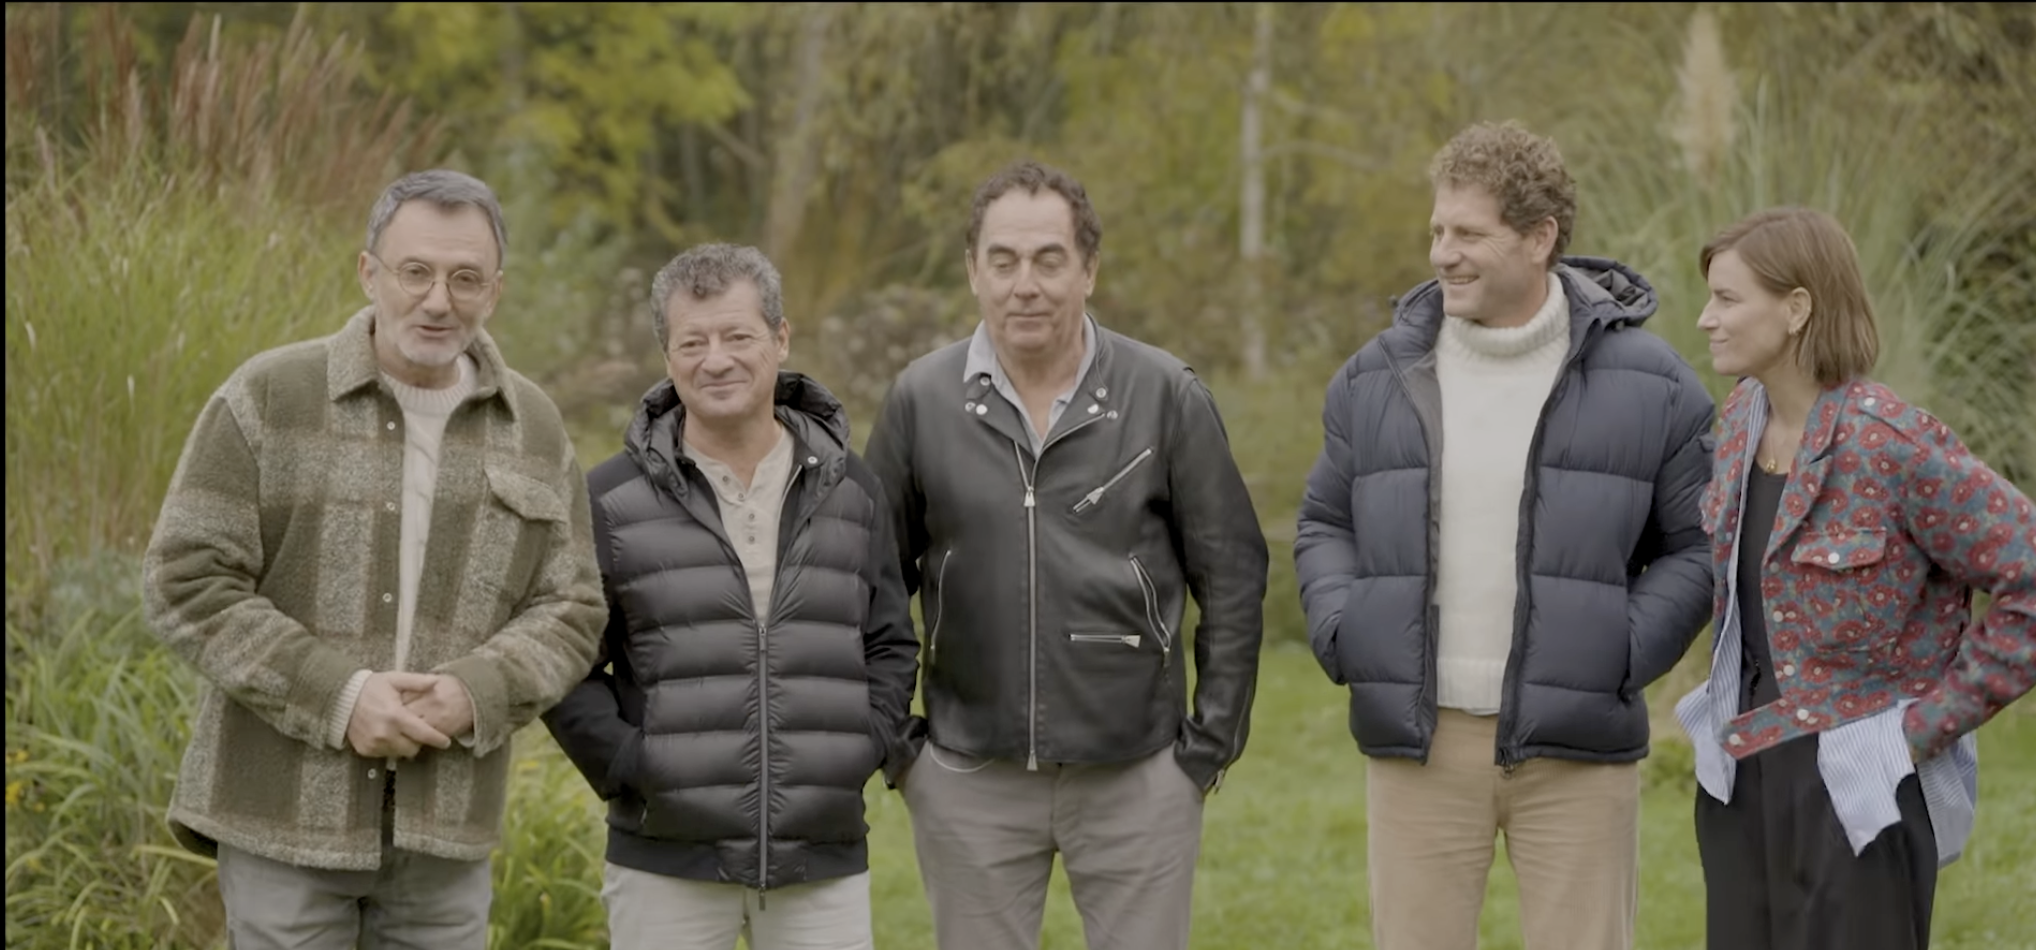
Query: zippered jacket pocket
point(1095, 497)
point(1153, 614)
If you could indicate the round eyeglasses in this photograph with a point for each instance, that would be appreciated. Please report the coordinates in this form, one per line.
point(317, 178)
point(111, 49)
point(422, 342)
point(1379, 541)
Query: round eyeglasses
point(465, 285)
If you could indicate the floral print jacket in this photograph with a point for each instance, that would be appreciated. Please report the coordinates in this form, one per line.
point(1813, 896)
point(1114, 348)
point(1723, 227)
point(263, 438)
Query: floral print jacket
point(1894, 525)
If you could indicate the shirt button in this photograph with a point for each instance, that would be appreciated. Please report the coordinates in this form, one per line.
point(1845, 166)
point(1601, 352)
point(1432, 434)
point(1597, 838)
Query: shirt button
point(391, 506)
point(388, 598)
point(392, 426)
point(1803, 715)
point(1777, 616)
point(1867, 402)
point(1735, 739)
point(1788, 669)
point(1834, 558)
point(371, 773)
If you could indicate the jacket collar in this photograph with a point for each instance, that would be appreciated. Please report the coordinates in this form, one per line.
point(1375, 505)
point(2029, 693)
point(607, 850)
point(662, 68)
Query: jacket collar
point(1810, 466)
point(350, 363)
point(1603, 294)
point(812, 416)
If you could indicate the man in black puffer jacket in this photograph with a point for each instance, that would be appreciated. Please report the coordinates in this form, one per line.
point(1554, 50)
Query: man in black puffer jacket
point(759, 660)
point(1499, 548)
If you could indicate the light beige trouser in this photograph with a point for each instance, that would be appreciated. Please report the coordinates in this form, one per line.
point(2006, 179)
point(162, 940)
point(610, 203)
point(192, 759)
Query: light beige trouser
point(1572, 832)
point(987, 830)
point(414, 902)
point(653, 912)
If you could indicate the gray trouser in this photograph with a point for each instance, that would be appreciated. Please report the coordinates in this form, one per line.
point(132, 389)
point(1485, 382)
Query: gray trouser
point(413, 902)
point(987, 830)
point(652, 912)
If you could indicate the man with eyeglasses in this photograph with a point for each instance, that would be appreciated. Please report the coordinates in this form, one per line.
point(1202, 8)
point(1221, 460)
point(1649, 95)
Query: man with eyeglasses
point(377, 550)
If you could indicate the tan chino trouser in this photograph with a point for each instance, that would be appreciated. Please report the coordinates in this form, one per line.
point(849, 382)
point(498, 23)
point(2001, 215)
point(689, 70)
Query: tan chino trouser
point(1572, 833)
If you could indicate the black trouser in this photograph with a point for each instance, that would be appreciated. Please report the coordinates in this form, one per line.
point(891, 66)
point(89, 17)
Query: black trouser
point(1780, 875)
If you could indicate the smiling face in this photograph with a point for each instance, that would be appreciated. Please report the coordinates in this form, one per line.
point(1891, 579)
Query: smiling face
point(1030, 281)
point(1490, 273)
point(723, 356)
point(419, 338)
point(1748, 325)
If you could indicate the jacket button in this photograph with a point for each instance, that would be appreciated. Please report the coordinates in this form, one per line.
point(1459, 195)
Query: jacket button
point(371, 773)
point(969, 406)
point(392, 426)
point(1100, 393)
point(388, 598)
point(982, 410)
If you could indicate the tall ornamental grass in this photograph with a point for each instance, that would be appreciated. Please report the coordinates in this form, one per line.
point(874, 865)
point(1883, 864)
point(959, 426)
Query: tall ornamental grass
point(161, 230)
point(1940, 213)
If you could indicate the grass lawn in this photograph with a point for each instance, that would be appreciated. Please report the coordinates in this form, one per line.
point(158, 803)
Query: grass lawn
point(1284, 842)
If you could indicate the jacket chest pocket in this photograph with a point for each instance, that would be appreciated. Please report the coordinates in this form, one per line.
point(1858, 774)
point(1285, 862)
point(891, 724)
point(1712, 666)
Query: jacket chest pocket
point(1852, 605)
point(512, 532)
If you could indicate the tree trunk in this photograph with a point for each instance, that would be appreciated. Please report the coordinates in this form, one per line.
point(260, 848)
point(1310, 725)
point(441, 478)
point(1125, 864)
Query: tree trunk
point(794, 156)
point(1251, 203)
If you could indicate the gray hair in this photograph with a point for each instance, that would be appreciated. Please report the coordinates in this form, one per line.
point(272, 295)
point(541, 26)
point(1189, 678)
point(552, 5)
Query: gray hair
point(708, 271)
point(447, 189)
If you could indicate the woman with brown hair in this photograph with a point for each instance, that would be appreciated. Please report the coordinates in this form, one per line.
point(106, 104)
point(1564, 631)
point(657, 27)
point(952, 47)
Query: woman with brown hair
point(1835, 756)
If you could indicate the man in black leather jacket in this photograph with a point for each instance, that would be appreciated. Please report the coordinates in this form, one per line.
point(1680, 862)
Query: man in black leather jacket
point(1058, 488)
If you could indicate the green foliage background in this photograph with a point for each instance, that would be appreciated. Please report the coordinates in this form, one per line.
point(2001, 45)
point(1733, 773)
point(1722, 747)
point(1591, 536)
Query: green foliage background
point(187, 184)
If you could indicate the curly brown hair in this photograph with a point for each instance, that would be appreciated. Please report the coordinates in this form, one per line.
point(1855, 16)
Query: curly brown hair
point(1522, 170)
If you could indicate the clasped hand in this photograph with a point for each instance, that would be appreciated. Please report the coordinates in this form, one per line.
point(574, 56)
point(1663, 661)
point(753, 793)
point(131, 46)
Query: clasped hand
point(399, 713)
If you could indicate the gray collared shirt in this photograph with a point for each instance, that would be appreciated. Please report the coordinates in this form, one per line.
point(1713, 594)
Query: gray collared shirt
point(982, 360)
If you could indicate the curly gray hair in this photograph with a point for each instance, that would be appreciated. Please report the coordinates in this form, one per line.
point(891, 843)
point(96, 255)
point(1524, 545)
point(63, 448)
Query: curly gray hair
point(708, 271)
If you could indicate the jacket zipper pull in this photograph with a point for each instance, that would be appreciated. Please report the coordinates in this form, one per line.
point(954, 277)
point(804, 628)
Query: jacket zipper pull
point(1032, 761)
point(1028, 496)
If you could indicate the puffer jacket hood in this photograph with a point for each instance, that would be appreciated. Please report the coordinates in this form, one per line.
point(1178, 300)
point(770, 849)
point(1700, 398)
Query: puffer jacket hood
point(805, 407)
point(1601, 291)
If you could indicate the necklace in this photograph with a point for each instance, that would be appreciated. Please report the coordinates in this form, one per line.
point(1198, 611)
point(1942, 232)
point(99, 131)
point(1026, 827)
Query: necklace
point(1770, 466)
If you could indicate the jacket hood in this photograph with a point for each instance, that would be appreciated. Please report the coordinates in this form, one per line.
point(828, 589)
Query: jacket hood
point(1600, 291)
point(808, 411)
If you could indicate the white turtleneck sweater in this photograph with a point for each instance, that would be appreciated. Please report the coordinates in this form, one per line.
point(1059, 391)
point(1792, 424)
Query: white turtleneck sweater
point(425, 412)
point(1494, 382)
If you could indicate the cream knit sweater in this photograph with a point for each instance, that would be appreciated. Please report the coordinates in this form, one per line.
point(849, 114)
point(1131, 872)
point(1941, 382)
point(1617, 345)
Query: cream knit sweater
point(1494, 383)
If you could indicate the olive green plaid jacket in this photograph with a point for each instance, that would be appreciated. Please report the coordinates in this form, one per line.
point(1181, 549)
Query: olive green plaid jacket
point(273, 571)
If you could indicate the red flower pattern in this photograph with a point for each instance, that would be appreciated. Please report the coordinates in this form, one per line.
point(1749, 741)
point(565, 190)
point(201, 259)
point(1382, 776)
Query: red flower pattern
point(1893, 619)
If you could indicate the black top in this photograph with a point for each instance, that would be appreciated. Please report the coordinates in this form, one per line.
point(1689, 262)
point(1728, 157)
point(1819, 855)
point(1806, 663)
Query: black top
point(1763, 500)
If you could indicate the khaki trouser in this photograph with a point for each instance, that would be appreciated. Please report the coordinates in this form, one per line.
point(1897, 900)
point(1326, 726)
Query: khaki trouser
point(414, 902)
point(987, 830)
point(653, 912)
point(1572, 832)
